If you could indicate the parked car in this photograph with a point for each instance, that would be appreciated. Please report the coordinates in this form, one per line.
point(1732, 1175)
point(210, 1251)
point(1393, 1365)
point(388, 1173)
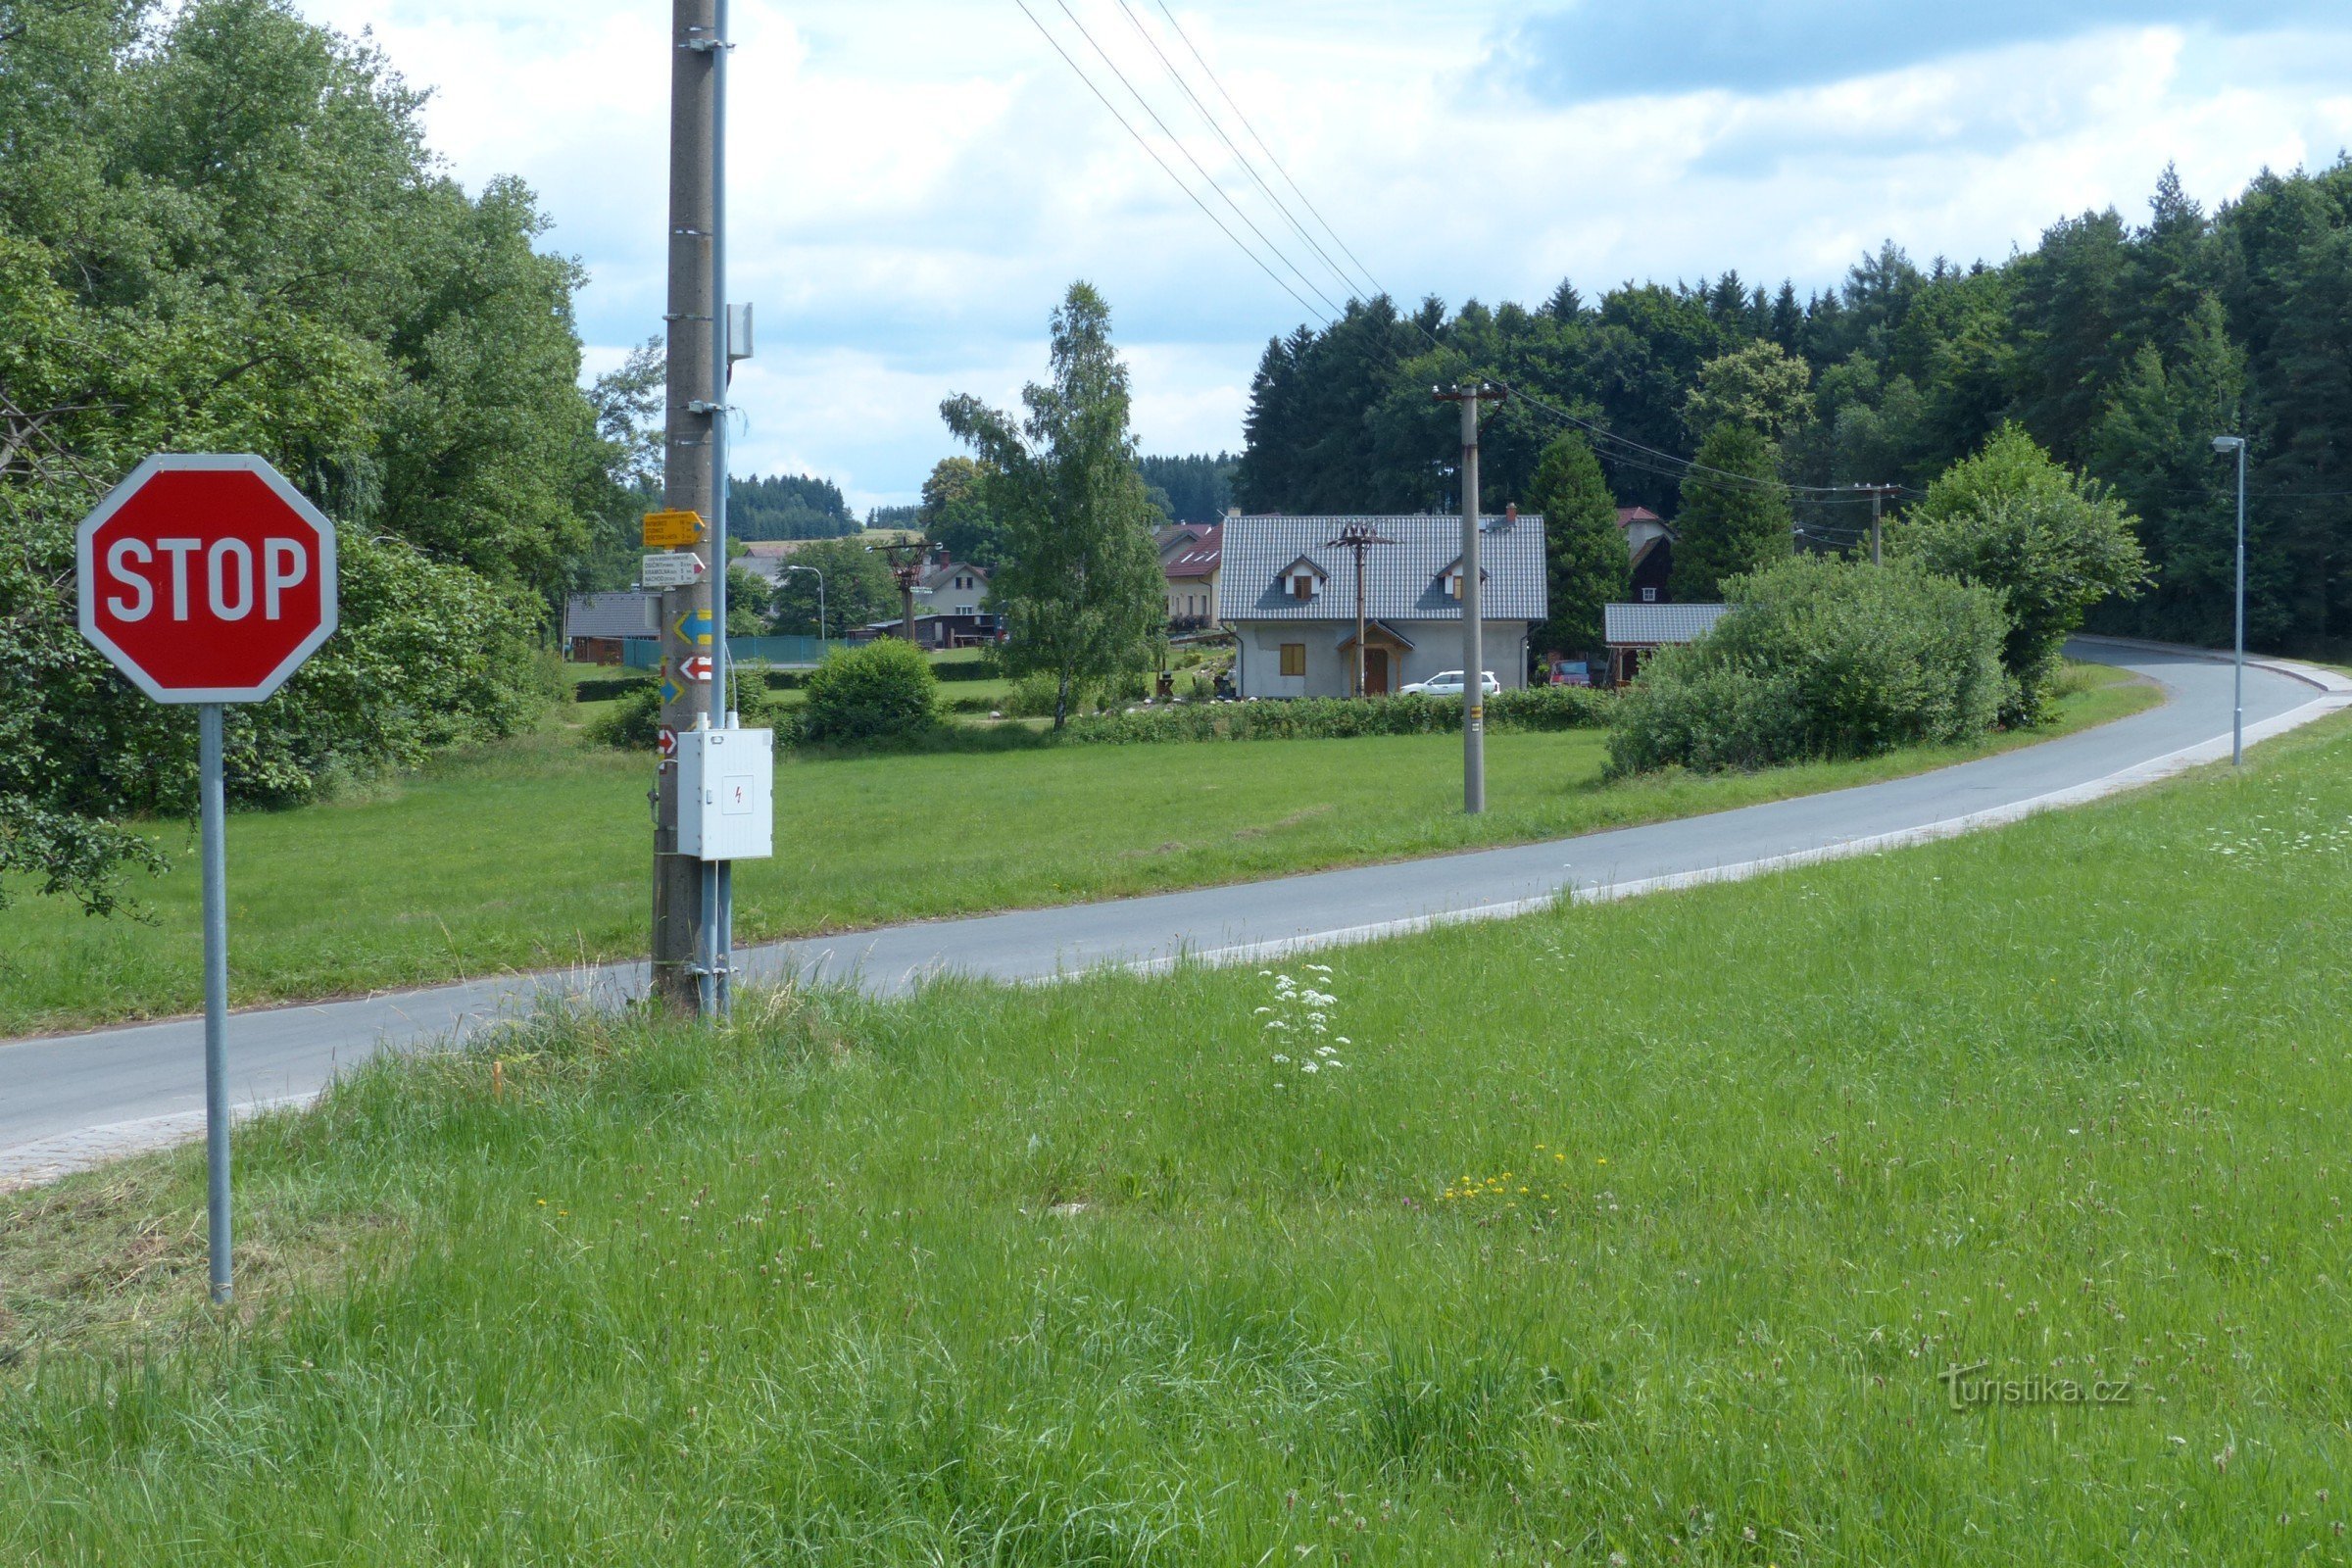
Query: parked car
point(1448, 683)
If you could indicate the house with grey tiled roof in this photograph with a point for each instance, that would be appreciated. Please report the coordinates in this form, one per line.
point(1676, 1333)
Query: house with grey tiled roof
point(599, 627)
point(1635, 631)
point(1288, 594)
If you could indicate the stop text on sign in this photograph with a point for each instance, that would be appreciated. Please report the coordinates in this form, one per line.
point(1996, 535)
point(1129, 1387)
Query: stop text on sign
point(231, 576)
point(207, 578)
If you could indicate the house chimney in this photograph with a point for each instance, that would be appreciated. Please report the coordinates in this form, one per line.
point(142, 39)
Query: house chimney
point(1510, 515)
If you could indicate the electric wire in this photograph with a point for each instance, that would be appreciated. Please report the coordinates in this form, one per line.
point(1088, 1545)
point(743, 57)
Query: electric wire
point(1146, 145)
point(1262, 147)
point(1136, 20)
point(1185, 148)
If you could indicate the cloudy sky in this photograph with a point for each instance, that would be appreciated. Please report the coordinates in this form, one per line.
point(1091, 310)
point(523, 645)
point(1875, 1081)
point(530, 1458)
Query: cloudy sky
point(915, 182)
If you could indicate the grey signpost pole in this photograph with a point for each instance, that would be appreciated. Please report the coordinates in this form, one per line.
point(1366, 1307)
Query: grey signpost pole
point(215, 814)
point(2235, 445)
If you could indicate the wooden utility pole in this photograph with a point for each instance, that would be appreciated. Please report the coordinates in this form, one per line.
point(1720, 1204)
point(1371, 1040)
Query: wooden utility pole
point(906, 566)
point(694, 433)
point(1471, 395)
point(1358, 537)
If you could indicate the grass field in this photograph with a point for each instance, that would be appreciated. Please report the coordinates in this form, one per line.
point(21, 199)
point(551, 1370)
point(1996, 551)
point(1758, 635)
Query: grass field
point(1639, 1233)
point(535, 855)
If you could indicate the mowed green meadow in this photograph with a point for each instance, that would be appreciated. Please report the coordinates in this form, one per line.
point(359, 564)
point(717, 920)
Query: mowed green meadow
point(536, 853)
point(1639, 1233)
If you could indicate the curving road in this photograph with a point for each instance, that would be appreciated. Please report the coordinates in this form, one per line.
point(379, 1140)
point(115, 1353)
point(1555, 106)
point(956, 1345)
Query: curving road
point(69, 1102)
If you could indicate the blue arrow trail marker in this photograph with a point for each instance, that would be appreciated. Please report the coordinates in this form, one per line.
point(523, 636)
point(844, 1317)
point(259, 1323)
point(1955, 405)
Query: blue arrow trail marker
point(694, 627)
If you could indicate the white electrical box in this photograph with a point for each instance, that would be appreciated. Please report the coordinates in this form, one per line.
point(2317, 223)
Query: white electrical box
point(727, 794)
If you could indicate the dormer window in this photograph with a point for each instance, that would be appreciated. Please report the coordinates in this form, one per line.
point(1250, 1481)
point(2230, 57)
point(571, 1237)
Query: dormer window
point(1301, 580)
point(1453, 580)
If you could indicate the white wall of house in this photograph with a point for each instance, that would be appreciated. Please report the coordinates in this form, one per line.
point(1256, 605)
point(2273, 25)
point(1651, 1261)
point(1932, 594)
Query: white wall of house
point(1328, 672)
point(1192, 597)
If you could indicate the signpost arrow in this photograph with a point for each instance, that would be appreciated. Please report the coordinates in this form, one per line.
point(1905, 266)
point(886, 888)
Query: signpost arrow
point(698, 669)
point(668, 530)
point(666, 743)
point(695, 626)
point(680, 569)
point(208, 580)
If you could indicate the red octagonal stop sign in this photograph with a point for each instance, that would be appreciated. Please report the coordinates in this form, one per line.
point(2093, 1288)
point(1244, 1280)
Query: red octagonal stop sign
point(206, 579)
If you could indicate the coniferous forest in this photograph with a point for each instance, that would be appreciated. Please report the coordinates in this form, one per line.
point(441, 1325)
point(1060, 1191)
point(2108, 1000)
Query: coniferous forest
point(2122, 347)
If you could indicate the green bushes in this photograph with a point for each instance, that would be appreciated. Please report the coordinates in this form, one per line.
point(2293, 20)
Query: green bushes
point(1539, 708)
point(1821, 659)
point(882, 691)
point(633, 723)
point(2047, 541)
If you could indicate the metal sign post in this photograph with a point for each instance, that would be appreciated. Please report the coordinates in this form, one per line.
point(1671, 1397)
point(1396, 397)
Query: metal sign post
point(215, 812)
point(208, 580)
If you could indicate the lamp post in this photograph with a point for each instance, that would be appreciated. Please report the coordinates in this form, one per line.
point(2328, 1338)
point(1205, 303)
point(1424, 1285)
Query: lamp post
point(821, 596)
point(2235, 445)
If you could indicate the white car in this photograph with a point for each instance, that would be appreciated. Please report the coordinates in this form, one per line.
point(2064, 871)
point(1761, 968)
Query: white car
point(1448, 683)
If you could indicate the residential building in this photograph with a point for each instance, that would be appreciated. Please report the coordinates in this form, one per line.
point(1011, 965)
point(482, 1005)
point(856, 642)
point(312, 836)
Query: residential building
point(1191, 554)
point(1636, 631)
point(599, 627)
point(1649, 540)
point(950, 587)
point(1289, 595)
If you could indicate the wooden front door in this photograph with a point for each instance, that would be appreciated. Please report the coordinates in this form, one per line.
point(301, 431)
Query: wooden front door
point(1376, 673)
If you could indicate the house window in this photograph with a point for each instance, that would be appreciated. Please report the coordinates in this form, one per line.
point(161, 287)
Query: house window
point(1294, 659)
point(1302, 585)
point(1453, 585)
point(1649, 596)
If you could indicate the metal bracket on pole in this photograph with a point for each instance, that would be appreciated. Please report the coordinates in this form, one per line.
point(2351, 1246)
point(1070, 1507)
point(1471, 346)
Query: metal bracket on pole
point(705, 405)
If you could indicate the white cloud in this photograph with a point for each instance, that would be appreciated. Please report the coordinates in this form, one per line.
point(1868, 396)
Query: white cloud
point(915, 183)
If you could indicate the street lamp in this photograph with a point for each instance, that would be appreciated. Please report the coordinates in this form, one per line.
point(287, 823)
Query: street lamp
point(2235, 445)
point(821, 596)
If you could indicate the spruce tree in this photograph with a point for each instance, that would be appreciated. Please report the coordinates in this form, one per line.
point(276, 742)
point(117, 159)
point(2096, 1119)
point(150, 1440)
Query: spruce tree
point(1586, 564)
point(1734, 517)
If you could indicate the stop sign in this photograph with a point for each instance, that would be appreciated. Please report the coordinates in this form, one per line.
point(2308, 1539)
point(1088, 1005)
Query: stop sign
point(206, 579)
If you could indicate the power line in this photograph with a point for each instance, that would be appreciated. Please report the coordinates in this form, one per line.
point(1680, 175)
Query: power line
point(1262, 147)
point(1136, 20)
point(1677, 465)
point(1146, 145)
point(1183, 147)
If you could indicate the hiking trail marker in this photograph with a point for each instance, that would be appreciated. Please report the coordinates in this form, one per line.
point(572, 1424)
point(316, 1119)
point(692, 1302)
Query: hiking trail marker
point(208, 580)
point(674, 530)
point(675, 568)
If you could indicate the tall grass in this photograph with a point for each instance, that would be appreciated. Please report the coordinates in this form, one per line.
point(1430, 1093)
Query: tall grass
point(1638, 1233)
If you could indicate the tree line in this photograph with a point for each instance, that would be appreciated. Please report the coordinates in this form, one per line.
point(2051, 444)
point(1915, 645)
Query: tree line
point(2121, 348)
point(220, 229)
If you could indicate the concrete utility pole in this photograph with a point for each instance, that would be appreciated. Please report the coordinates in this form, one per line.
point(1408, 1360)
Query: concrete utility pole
point(1471, 395)
point(693, 635)
point(1878, 494)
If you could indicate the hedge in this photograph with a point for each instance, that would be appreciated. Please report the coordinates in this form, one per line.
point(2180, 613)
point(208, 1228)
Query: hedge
point(1535, 710)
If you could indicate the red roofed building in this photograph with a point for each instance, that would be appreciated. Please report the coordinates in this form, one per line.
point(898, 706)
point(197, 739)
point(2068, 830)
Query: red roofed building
point(1192, 558)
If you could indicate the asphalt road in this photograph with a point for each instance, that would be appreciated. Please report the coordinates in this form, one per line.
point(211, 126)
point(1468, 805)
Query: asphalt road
point(68, 1099)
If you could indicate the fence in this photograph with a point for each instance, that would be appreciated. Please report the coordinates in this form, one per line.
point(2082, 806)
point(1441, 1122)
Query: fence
point(776, 653)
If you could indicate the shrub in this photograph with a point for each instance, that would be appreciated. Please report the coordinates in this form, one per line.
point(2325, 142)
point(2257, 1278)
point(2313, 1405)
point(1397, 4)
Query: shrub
point(633, 723)
point(2047, 541)
point(1821, 659)
point(882, 691)
point(1540, 709)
